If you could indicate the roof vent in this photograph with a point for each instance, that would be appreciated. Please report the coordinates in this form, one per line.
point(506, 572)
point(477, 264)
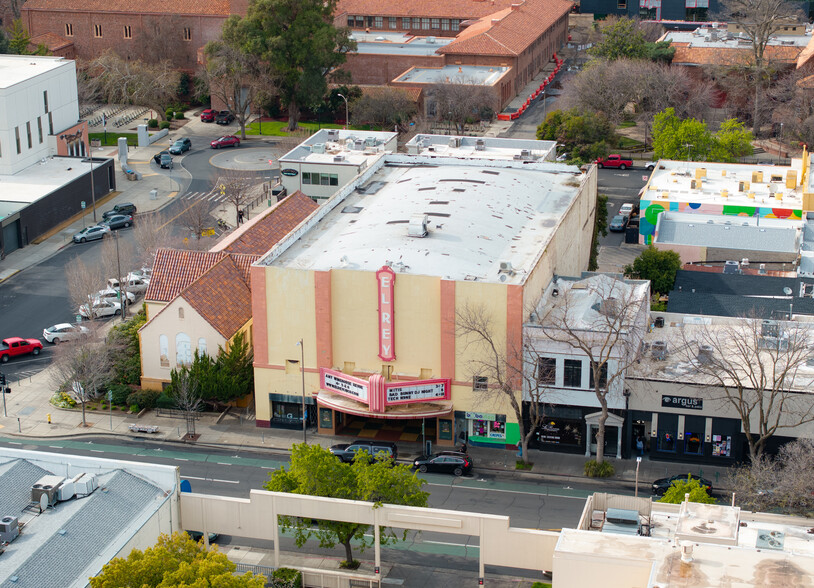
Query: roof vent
point(9, 529)
point(506, 268)
point(339, 158)
point(318, 148)
point(705, 353)
point(333, 133)
point(417, 227)
point(480, 145)
point(454, 142)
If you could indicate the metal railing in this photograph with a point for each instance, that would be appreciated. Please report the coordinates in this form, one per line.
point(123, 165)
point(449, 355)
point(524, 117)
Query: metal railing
point(316, 578)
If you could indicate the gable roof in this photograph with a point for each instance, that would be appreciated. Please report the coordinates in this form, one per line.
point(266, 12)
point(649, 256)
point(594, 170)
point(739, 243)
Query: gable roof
point(191, 7)
point(51, 40)
point(174, 270)
point(460, 9)
point(513, 33)
point(221, 296)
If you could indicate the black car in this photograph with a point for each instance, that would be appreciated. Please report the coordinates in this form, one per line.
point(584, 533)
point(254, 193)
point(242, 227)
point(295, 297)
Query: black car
point(180, 146)
point(118, 221)
point(157, 156)
point(197, 536)
point(445, 462)
point(661, 485)
point(347, 451)
point(618, 223)
point(166, 161)
point(224, 117)
point(123, 208)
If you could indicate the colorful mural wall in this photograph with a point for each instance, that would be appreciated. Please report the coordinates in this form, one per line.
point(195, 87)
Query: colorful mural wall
point(651, 209)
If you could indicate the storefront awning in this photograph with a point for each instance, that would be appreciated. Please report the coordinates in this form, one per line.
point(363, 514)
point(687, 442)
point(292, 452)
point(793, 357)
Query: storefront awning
point(414, 410)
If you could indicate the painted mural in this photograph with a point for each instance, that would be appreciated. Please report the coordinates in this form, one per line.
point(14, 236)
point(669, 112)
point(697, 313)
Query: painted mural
point(653, 208)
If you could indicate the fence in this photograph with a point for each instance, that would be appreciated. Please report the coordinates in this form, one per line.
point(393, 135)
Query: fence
point(316, 578)
point(174, 413)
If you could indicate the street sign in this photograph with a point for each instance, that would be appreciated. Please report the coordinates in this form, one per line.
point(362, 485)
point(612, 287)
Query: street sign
point(110, 395)
point(644, 178)
point(83, 205)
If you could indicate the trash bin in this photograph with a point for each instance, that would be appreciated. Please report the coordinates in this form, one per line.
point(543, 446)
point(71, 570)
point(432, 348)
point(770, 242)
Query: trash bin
point(153, 194)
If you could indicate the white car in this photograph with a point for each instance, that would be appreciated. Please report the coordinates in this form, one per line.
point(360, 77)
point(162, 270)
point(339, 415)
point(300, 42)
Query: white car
point(64, 332)
point(650, 165)
point(113, 295)
point(144, 273)
point(626, 209)
point(136, 285)
point(101, 308)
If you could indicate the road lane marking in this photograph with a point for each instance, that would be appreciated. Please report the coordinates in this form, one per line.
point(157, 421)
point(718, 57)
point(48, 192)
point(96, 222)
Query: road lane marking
point(96, 451)
point(55, 446)
point(458, 486)
point(211, 480)
point(180, 459)
point(226, 481)
point(194, 478)
point(223, 463)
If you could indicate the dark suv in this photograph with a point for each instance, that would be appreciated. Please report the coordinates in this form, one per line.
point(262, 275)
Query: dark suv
point(347, 451)
point(123, 208)
point(224, 117)
point(447, 462)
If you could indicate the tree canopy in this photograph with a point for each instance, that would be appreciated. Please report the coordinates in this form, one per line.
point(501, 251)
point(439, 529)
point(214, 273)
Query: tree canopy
point(174, 562)
point(675, 493)
point(584, 135)
point(298, 41)
point(315, 471)
point(690, 139)
point(623, 39)
point(658, 266)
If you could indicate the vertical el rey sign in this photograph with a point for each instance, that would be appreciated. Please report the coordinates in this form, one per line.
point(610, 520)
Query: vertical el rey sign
point(386, 279)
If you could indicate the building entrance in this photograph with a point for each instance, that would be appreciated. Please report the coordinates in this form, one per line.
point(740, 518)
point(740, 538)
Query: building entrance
point(409, 430)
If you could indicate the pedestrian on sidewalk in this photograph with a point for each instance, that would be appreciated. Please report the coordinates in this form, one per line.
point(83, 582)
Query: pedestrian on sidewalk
point(239, 216)
point(463, 447)
point(640, 445)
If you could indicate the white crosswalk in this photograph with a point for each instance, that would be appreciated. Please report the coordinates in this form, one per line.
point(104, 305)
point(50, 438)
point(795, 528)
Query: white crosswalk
point(214, 196)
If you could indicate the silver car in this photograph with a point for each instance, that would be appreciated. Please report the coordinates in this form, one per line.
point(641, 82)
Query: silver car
point(101, 308)
point(64, 332)
point(91, 233)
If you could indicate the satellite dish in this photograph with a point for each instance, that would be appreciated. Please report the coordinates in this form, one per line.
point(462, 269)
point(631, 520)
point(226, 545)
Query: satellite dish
point(43, 501)
point(787, 291)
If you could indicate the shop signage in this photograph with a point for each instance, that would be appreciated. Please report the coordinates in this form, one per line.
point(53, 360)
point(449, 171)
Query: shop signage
point(344, 385)
point(386, 279)
point(289, 172)
point(428, 390)
point(484, 416)
point(669, 401)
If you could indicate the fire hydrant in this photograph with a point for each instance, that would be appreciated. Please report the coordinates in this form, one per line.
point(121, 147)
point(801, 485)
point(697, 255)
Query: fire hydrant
point(49, 418)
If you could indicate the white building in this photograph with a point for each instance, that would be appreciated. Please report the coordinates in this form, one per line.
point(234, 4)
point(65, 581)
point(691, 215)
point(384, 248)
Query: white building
point(482, 148)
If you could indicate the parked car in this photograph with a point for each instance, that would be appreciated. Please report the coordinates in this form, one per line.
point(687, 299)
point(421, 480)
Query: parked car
point(100, 308)
point(197, 536)
point(618, 223)
point(143, 273)
point(445, 462)
point(157, 156)
point(111, 294)
point(347, 451)
point(123, 208)
point(225, 141)
point(651, 165)
point(91, 233)
point(661, 485)
point(614, 161)
point(224, 117)
point(117, 221)
point(180, 146)
point(562, 157)
point(14, 346)
point(166, 161)
point(64, 332)
point(135, 284)
point(208, 115)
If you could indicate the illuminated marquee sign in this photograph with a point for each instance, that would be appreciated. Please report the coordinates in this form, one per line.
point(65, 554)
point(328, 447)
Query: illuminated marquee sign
point(345, 385)
point(415, 391)
point(377, 393)
point(386, 279)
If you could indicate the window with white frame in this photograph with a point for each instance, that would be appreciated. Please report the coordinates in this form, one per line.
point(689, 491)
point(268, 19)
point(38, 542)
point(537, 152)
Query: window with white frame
point(183, 349)
point(436, 23)
point(378, 22)
point(603, 377)
point(546, 371)
point(456, 24)
point(444, 24)
point(572, 373)
point(406, 23)
point(164, 350)
point(202, 346)
point(425, 23)
point(392, 21)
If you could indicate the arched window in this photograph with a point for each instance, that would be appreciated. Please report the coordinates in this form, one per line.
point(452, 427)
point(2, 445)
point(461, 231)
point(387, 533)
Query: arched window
point(201, 346)
point(180, 312)
point(164, 350)
point(183, 349)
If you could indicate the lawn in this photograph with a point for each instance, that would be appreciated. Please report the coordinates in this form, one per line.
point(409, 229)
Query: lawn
point(628, 143)
point(276, 128)
point(627, 124)
point(112, 138)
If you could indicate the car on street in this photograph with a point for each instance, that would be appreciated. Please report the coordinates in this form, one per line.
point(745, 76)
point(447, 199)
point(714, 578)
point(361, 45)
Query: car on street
point(618, 223)
point(650, 165)
point(375, 449)
point(117, 221)
point(627, 209)
point(166, 161)
point(100, 309)
point(208, 115)
point(135, 284)
point(661, 485)
point(445, 462)
point(157, 157)
point(225, 141)
point(91, 233)
point(62, 332)
point(614, 160)
point(224, 117)
point(197, 536)
point(562, 157)
point(123, 208)
point(15, 346)
point(180, 146)
point(142, 273)
point(111, 294)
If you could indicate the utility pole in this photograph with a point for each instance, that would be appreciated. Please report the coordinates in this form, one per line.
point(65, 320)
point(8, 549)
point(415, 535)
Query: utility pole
point(3, 390)
point(122, 280)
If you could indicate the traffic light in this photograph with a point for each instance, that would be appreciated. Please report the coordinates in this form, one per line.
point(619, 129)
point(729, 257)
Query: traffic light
point(2, 379)
point(6, 390)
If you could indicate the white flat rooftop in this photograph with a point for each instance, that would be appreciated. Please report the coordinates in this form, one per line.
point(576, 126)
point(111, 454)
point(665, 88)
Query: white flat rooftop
point(340, 142)
point(479, 216)
point(19, 68)
point(723, 40)
point(470, 75)
point(398, 43)
point(482, 148)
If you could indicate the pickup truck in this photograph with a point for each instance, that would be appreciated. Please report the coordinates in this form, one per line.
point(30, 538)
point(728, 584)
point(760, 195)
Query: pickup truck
point(614, 161)
point(14, 346)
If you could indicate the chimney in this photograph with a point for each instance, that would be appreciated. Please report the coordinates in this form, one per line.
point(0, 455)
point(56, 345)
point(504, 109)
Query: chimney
point(686, 551)
point(460, 69)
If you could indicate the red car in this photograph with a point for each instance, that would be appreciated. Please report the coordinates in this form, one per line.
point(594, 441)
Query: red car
point(614, 161)
point(225, 141)
point(208, 115)
point(14, 346)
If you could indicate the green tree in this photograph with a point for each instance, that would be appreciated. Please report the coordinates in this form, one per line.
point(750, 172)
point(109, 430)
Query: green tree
point(174, 562)
point(235, 372)
point(585, 135)
point(658, 266)
point(675, 493)
point(600, 228)
point(314, 471)
point(125, 350)
point(621, 39)
point(18, 44)
point(661, 51)
point(4, 42)
point(299, 42)
point(674, 138)
point(733, 140)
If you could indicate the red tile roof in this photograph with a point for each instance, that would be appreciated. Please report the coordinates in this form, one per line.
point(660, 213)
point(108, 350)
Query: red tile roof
point(513, 33)
point(175, 269)
point(179, 7)
point(221, 296)
point(460, 9)
point(53, 41)
point(687, 54)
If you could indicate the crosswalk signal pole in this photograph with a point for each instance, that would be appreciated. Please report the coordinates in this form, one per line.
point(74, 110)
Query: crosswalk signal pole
point(3, 389)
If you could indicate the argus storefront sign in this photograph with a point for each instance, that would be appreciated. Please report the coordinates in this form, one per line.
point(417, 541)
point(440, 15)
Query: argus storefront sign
point(345, 385)
point(682, 402)
point(426, 390)
point(386, 280)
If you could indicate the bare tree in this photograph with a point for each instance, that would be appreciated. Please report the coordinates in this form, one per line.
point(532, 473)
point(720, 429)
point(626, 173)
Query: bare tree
point(160, 37)
point(84, 367)
point(604, 321)
point(238, 189)
point(151, 232)
point(187, 397)
point(753, 367)
point(792, 104)
point(196, 218)
point(384, 107)
point(461, 100)
point(505, 374)
point(84, 282)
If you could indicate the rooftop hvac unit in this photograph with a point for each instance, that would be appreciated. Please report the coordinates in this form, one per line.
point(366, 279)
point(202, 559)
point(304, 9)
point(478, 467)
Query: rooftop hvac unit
point(339, 158)
point(48, 485)
point(525, 154)
point(66, 491)
point(658, 350)
point(318, 148)
point(431, 40)
point(333, 133)
point(85, 483)
point(506, 267)
point(413, 148)
point(705, 353)
point(455, 142)
point(370, 141)
point(417, 226)
point(9, 529)
point(480, 145)
point(359, 144)
point(769, 329)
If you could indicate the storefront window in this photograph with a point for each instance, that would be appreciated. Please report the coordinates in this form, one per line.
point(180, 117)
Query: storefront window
point(561, 432)
point(667, 441)
point(693, 443)
point(286, 412)
point(721, 446)
point(490, 429)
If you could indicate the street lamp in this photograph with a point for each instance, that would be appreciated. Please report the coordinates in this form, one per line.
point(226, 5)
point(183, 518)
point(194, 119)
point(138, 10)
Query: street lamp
point(347, 121)
point(780, 146)
point(688, 146)
point(302, 371)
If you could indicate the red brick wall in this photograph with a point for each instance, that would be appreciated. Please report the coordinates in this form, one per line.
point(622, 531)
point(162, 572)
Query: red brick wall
point(379, 70)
